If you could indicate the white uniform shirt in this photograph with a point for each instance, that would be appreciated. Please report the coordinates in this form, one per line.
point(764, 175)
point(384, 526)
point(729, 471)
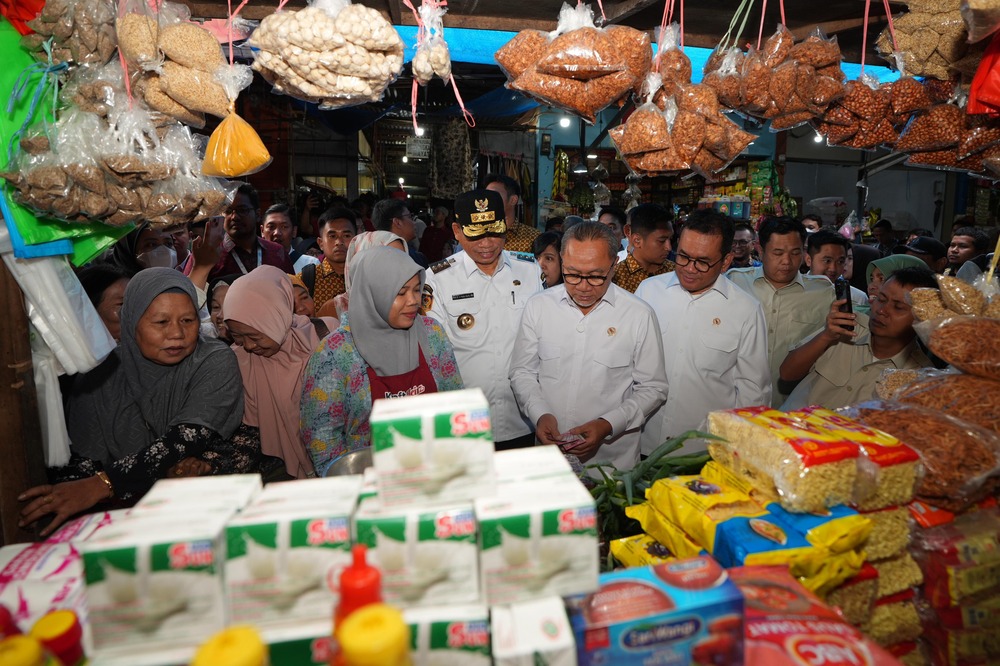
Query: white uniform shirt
point(494, 302)
point(715, 355)
point(792, 312)
point(606, 364)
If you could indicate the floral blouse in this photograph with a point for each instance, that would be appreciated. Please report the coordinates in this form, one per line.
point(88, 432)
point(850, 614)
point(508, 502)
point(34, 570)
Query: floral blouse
point(337, 396)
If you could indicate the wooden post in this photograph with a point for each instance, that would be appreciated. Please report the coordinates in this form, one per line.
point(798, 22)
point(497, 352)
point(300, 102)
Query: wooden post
point(22, 461)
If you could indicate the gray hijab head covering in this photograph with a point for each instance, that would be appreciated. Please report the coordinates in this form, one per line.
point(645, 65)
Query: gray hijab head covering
point(378, 274)
point(128, 401)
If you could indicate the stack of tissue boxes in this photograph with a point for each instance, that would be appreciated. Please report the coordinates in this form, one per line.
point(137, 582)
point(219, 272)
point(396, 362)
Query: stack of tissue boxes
point(456, 528)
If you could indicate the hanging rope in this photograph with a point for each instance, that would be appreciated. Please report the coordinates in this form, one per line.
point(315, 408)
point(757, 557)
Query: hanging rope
point(864, 36)
point(743, 11)
point(892, 26)
point(760, 32)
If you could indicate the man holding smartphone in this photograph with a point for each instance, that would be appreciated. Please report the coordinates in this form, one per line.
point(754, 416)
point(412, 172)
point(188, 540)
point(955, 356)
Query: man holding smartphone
point(840, 364)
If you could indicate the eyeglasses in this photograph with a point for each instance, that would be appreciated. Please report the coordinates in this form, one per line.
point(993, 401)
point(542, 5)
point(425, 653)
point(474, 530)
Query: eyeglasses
point(242, 211)
point(700, 265)
point(592, 280)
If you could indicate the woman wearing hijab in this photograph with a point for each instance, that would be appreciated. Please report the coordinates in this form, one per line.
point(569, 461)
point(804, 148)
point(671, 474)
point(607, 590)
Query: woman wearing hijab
point(383, 349)
point(363, 241)
point(164, 403)
point(144, 247)
point(879, 270)
point(272, 345)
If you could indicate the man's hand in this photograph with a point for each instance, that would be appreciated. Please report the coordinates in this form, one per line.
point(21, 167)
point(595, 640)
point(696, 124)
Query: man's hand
point(65, 500)
point(594, 433)
point(547, 430)
point(836, 323)
point(190, 467)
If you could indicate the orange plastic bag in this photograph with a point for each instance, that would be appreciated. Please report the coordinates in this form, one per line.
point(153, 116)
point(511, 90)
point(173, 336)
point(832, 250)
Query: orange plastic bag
point(234, 149)
point(984, 94)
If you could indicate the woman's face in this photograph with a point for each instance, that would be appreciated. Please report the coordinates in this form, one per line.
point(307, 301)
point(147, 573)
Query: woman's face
point(110, 307)
point(218, 298)
point(875, 284)
point(252, 340)
point(304, 303)
point(167, 332)
point(551, 266)
point(849, 265)
point(405, 307)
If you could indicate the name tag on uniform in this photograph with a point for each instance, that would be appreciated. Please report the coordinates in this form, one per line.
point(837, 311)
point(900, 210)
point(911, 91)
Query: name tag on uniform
point(462, 297)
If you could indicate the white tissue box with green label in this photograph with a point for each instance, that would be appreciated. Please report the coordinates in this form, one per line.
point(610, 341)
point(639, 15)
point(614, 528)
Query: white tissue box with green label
point(533, 632)
point(537, 538)
point(153, 588)
point(223, 493)
point(436, 447)
point(427, 556)
point(449, 636)
point(284, 554)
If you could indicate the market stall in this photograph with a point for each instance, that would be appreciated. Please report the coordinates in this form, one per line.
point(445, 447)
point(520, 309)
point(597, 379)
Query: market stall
point(864, 535)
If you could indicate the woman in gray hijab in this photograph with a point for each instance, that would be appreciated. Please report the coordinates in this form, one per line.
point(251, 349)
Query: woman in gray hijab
point(384, 348)
point(164, 403)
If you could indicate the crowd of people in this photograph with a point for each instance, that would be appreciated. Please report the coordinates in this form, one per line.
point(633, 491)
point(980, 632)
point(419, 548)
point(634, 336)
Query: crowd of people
point(243, 347)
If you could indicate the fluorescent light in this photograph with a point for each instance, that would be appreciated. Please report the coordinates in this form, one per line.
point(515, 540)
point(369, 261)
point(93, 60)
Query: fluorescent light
point(580, 167)
point(564, 122)
point(420, 131)
point(818, 138)
point(405, 159)
point(401, 181)
point(591, 156)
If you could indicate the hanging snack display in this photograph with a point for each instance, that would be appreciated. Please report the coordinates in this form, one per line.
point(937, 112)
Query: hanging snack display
point(930, 38)
point(82, 32)
point(102, 160)
point(785, 82)
point(332, 52)
point(578, 68)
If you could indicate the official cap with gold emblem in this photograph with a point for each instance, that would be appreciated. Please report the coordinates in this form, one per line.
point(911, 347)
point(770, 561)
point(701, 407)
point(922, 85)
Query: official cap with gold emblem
point(480, 212)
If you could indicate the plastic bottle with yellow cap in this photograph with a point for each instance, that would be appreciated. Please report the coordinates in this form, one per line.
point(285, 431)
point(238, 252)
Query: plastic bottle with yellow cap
point(375, 635)
point(235, 646)
point(24, 651)
point(60, 633)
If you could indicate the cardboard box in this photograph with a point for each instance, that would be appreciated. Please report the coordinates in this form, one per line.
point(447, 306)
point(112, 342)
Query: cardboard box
point(679, 613)
point(533, 632)
point(442, 635)
point(433, 448)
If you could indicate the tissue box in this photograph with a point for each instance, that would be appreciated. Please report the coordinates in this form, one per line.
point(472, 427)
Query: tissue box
point(449, 634)
point(536, 462)
point(223, 494)
point(436, 447)
point(533, 632)
point(538, 538)
point(284, 554)
point(679, 613)
point(153, 588)
point(427, 555)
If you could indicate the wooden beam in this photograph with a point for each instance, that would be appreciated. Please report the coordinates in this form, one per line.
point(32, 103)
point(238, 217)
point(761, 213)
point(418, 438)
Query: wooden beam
point(622, 10)
point(833, 27)
point(21, 444)
point(394, 12)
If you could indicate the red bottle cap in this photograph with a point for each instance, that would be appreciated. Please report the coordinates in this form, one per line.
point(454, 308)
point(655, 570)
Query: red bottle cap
point(61, 634)
point(8, 627)
point(360, 585)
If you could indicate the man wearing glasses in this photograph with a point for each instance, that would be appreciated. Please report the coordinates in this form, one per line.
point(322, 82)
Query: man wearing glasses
point(587, 367)
point(714, 333)
point(393, 215)
point(743, 247)
point(242, 249)
point(478, 295)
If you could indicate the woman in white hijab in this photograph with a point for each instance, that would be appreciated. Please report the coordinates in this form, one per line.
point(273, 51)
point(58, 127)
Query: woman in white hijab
point(383, 348)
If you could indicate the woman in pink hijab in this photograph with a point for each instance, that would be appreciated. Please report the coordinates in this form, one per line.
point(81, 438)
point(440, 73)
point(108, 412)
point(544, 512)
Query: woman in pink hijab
point(272, 345)
point(359, 243)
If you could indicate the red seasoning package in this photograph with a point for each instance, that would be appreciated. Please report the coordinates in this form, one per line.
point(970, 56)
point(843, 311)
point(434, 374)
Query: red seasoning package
point(786, 625)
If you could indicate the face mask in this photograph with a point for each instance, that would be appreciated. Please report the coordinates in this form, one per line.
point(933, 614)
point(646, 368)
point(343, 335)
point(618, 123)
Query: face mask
point(159, 257)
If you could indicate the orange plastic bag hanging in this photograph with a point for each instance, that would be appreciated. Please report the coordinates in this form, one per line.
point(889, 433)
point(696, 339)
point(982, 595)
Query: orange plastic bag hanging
point(984, 94)
point(234, 149)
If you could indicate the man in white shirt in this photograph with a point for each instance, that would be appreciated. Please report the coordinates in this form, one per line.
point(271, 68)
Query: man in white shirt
point(795, 305)
point(717, 336)
point(587, 367)
point(478, 295)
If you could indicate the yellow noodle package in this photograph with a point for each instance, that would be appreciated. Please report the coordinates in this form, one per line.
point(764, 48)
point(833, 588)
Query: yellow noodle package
point(640, 551)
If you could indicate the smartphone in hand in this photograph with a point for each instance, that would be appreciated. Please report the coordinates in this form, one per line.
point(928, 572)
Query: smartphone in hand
point(842, 288)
